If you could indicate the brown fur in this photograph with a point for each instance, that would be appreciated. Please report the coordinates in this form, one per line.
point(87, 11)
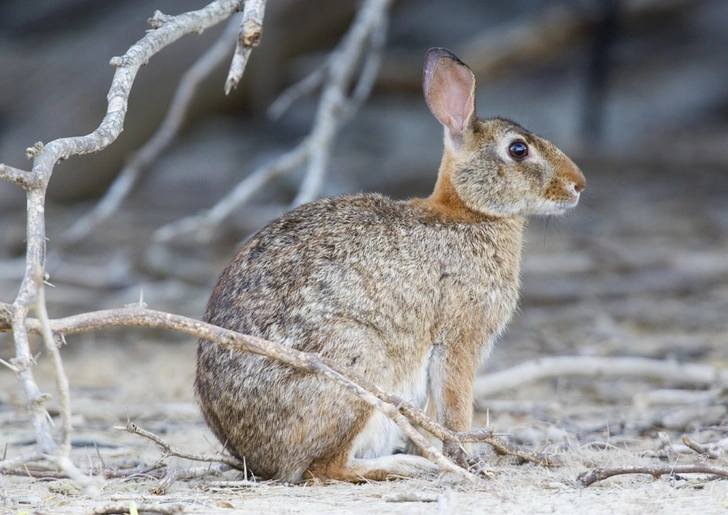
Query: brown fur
point(409, 294)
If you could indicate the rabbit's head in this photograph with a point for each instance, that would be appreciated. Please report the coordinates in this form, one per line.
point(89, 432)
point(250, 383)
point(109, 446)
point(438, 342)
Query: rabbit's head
point(495, 166)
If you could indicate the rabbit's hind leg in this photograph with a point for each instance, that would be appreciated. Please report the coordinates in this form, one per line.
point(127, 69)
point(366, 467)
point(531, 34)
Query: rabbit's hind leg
point(356, 470)
point(369, 456)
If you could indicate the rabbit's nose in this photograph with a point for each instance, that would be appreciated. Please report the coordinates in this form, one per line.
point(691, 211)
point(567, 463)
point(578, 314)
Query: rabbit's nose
point(578, 186)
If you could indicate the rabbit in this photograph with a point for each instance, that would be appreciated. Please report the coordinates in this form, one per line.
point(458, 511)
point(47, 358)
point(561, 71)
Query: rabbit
point(411, 294)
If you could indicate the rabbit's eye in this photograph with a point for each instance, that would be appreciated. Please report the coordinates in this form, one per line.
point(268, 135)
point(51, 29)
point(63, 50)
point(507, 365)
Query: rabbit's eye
point(518, 150)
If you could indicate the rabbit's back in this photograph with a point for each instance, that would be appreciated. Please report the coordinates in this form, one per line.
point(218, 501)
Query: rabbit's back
point(372, 283)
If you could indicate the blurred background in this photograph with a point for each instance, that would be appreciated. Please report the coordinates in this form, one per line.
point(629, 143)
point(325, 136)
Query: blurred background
point(635, 91)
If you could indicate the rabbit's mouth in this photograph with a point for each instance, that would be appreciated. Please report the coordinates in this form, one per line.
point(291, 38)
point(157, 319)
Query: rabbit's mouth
point(557, 207)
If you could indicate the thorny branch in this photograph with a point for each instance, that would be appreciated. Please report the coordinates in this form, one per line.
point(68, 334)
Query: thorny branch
point(168, 29)
point(396, 408)
point(173, 451)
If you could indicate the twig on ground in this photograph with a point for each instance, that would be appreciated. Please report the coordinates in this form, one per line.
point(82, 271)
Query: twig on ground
point(575, 366)
point(212, 486)
point(12, 463)
point(128, 506)
point(411, 497)
point(591, 477)
point(158, 143)
point(173, 475)
point(173, 451)
point(366, 35)
point(700, 449)
point(507, 448)
point(251, 30)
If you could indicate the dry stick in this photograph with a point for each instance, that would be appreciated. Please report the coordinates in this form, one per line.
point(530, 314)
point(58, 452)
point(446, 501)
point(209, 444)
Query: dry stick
point(61, 378)
point(354, 382)
point(173, 475)
point(589, 478)
point(160, 140)
point(298, 90)
point(126, 507)
point(61, 456)
point(202, 224)
point(231, 461)
point(334, 110)
point(25, 179)
point(12, 463)
point(35, 183)
point(26, 298)
point(251, 30)
point(700, 449)
point(559, 367)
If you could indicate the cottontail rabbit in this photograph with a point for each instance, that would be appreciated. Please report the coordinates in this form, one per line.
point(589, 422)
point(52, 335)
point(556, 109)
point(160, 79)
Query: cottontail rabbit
point(411, 294)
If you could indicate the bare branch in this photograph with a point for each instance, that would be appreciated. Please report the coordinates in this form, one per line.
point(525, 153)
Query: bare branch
point(204, 223)
point(173, 475)
point(589, 478)
point(643, 368)
point(12, 463)
point(388, 403)
point(173, 451)
point(128, 506)
point(160, 140)
point(371, 19)
point(300, 89)
point(251, 30)
point(367, 34)
point(22, 178)
point(30, 295)
point(700, 449)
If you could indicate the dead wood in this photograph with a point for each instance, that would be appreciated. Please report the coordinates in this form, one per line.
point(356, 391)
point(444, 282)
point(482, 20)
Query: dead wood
point(583, 366)
point(656, 471)
point(169, 450)
point(134, 507)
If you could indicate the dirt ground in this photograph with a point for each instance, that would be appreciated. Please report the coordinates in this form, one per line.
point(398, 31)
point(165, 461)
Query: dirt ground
point(636, 271)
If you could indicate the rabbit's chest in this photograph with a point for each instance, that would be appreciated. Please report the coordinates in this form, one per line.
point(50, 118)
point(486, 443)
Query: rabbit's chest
point(479, 289)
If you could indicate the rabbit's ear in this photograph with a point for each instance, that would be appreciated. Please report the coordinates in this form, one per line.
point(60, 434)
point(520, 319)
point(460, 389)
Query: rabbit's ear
point(449, 88)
